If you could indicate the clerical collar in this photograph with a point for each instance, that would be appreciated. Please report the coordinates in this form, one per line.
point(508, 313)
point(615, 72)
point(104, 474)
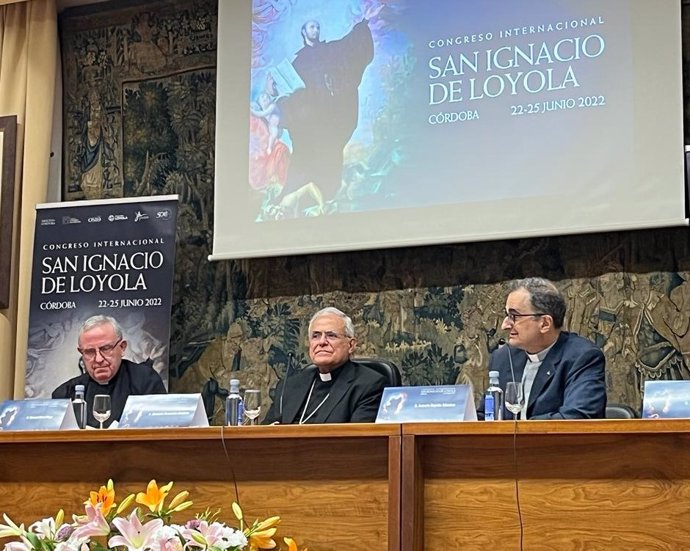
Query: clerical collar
point(330, 376)
point(110, 382)
point(539, 356)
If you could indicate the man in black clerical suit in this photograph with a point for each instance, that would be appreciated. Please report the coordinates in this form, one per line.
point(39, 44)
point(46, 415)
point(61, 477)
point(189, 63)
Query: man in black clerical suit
point(322, 116)
point(101, 345)
point(335, 389)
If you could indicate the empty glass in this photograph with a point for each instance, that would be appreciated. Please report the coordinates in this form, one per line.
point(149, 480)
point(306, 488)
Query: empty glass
point(515, 399)
point(101, 408)
point(252, 405)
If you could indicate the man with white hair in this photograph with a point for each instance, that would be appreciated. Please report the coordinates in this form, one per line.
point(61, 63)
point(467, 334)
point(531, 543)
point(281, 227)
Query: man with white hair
point(101, 345)
point(335, 389)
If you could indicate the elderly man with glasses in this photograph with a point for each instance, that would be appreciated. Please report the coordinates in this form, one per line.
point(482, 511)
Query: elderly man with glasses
point(335, 389)
point(562, 374)
point(101, 345)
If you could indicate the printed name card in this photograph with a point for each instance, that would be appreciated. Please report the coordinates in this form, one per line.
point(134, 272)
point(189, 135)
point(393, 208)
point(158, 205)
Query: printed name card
point(666, 399)
point(39, 414)
point(164, 411)
point(418, 404)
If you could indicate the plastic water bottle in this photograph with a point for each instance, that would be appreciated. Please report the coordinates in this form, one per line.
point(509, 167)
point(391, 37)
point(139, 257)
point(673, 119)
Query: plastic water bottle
point(79, 405)
point(233, 405)
point(493, 399)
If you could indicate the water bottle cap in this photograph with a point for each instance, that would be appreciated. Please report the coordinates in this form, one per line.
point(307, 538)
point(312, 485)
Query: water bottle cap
point(493, 374)
point(78, 388)
point(234, 385)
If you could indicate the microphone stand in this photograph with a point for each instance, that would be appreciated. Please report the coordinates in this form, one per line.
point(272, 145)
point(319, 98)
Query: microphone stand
point(288, 369)
point(501, 343)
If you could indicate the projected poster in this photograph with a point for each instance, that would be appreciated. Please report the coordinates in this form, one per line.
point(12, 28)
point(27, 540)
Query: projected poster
point(109, 257)
point(366, 105)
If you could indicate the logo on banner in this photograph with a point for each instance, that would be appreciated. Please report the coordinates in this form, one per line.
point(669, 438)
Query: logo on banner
point(70, 220)
point(93, 219)
point(116, 217)
point(140, 216)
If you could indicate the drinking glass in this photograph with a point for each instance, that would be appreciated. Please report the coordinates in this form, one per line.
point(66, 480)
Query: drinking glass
point(515, 399)
point(252, 405)
point(101, 407)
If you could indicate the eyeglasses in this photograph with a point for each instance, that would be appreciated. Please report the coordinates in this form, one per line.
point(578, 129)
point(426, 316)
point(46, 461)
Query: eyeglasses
point(513, 317)
point(328, 335)
point(105, 351)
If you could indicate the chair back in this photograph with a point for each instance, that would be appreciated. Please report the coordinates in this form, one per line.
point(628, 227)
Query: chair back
point(620, 411)
point(386, 367)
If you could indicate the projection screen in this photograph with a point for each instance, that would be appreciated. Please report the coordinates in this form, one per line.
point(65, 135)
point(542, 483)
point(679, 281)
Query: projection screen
point(360, 124)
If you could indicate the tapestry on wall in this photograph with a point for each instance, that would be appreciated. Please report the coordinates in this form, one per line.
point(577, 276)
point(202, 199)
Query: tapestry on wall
point(139, 119)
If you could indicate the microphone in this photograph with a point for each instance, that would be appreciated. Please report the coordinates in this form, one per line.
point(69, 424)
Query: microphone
point(510, 357)
point(288, 369)
point(510, 361)
point(501, 343)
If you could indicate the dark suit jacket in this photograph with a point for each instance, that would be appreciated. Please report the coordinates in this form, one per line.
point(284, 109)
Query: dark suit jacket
point(354, 397)
point(570, 382)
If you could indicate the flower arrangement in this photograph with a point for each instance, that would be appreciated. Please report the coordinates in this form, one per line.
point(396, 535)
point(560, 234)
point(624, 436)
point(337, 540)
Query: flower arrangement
point(106, 525)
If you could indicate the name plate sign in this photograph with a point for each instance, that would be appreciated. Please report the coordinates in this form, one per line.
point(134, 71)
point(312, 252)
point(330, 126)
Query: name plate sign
point(164, 410)
point(40, 414)
point(418, 404)
point(666, 400)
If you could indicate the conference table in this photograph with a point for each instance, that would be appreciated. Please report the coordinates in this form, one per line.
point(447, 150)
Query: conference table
point(607, 484)
point(334, 486)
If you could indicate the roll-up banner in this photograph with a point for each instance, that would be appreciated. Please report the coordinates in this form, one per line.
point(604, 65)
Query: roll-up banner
point(110, 257)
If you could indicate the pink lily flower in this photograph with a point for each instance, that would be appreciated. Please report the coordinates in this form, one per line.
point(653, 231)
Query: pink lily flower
point(134, 535)
point(18, 546)
point(94, 524)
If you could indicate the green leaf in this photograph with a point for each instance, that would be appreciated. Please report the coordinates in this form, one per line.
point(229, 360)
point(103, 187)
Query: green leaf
point(33, 540)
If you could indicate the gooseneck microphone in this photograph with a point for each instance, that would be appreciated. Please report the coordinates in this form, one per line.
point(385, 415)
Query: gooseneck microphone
point(288, 369)
point(510, 360)
point(501, 343)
